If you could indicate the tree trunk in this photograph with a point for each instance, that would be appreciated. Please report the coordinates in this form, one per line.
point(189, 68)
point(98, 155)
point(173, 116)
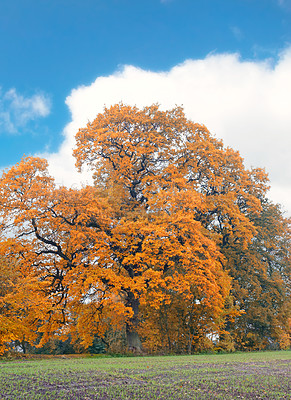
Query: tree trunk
point(133, 340)
point(23, 347)
point(190, 341)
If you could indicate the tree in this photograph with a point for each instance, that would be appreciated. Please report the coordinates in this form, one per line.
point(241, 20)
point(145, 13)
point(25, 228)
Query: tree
point(47, 229)
point(261, 283)
point(148, 245)
point(178, 198)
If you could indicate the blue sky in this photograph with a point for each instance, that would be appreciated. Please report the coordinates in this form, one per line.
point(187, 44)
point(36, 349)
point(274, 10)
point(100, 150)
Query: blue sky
point(50, 49)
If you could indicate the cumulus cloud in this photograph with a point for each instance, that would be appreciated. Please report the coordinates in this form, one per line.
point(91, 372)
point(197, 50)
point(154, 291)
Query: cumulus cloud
point(17, 110)
point(246, 103)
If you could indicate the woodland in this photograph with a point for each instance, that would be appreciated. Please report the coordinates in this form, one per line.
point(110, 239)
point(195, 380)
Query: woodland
point(175, 247)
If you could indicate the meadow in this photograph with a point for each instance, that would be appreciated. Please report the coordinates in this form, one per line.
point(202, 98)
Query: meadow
point(258, 375)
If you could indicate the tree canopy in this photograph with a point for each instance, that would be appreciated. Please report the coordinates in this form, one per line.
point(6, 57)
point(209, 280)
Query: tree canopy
point(175, 243)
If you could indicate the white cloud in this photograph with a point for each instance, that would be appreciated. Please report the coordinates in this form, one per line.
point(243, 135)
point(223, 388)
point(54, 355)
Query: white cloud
point(16, 110)
point(246, 103)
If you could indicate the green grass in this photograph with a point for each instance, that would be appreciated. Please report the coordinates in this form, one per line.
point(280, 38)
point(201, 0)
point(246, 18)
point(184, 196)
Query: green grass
point(258, 375)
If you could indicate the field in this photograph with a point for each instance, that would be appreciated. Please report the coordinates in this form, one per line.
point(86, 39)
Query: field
point(264, 375)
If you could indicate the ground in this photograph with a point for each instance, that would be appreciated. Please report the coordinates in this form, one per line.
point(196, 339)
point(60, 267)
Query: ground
point(259, 375)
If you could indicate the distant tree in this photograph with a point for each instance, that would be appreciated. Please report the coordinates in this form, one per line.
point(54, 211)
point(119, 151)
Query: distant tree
point(261, 283)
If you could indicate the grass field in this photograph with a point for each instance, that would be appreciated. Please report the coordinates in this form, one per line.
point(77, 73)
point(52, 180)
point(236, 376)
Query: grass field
point(262, 375)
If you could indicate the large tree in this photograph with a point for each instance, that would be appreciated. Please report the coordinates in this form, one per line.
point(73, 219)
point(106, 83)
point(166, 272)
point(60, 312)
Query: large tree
point(178, 196)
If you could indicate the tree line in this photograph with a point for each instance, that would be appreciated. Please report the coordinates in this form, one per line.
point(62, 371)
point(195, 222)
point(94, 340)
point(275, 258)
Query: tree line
point(174, 248)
